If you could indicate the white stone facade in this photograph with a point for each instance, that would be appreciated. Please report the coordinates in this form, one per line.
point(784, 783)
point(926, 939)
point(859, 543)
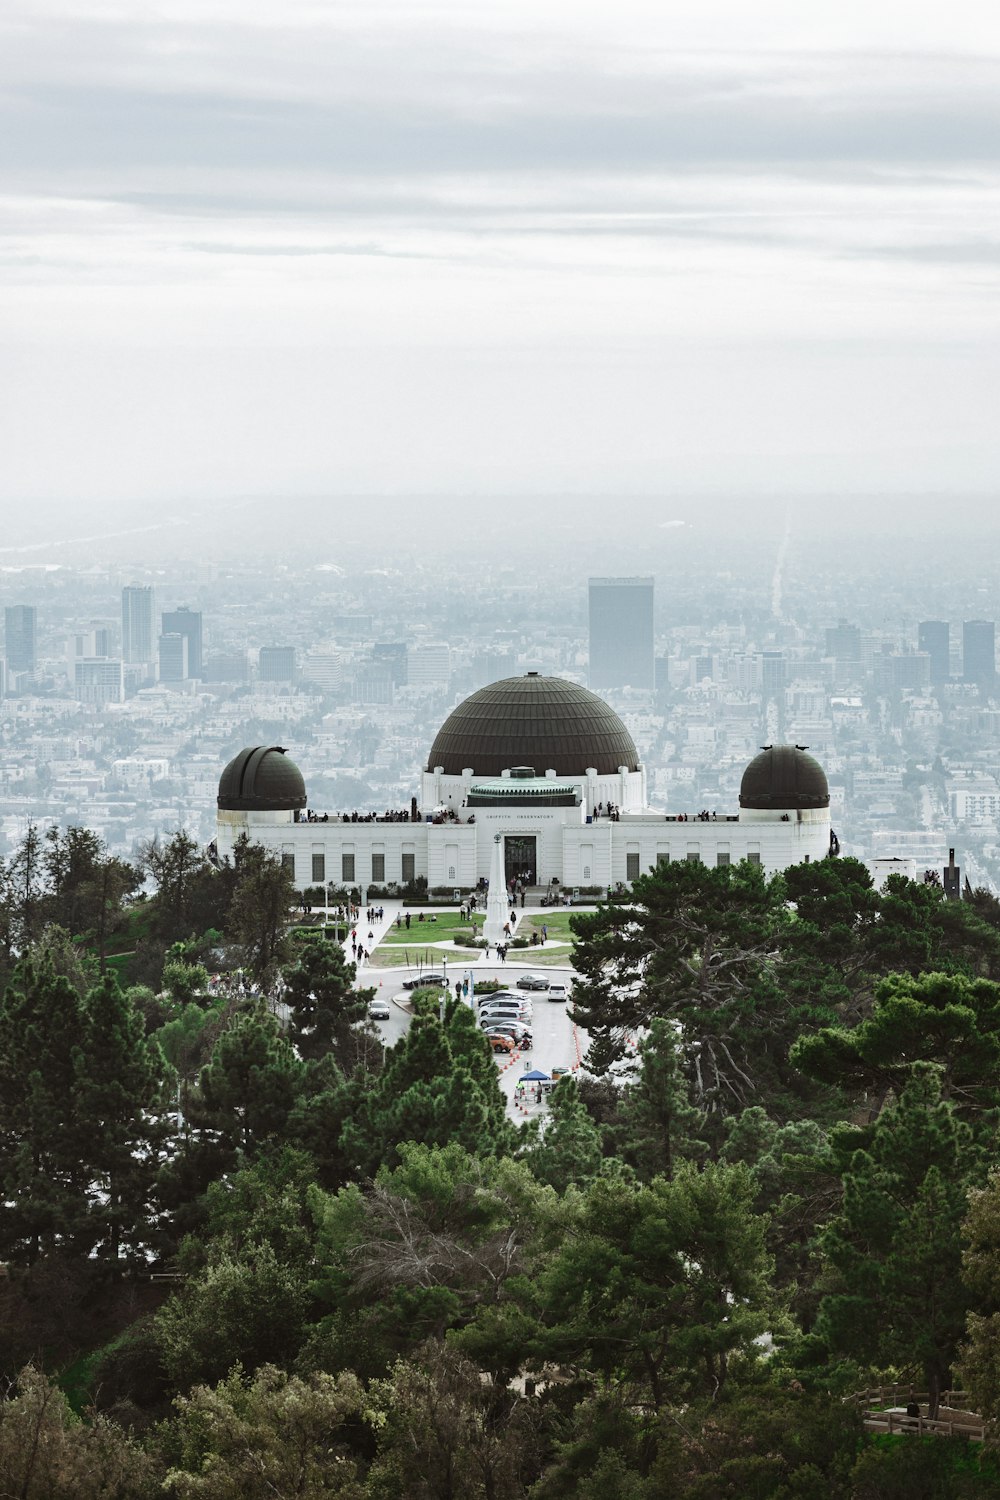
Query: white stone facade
point(571, 845)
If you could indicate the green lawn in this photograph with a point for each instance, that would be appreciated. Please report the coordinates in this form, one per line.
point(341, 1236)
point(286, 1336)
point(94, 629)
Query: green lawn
point(437, 926)
point(557, 923)
point(400, 948)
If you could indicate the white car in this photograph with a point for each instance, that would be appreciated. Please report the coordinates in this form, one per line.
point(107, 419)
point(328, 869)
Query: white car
point(379, 1010)
point(507, 1013)
point(557, 991)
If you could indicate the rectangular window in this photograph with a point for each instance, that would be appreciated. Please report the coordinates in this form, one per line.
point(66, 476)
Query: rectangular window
point(753, 856)
point(663, 856)
point(288, 863)
point(319, 869)
point(694, 856)
point(631, 867)
point(378, 866)
point(347, 866)
point(409, 866)
point(722, 857)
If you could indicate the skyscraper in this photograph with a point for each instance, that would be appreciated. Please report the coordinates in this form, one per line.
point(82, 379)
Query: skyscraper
point(21, 625)
point(979, 663)
point(276, 663)
point(137, 624)
point(843, 641)
point(174, 659)
point(621, 633)
point(934, 637)
point(186, 622)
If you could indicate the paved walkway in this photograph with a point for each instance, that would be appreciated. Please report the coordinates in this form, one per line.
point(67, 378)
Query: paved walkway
point(447, 947)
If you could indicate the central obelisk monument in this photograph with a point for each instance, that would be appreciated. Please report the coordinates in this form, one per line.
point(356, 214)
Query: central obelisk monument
point(497, 907)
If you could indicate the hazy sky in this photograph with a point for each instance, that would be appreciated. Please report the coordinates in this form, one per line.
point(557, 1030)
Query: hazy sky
point(256, 246)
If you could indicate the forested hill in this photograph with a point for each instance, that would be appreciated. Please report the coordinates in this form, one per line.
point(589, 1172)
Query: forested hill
point(258, 1257)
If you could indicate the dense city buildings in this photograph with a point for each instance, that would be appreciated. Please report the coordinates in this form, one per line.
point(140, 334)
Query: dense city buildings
point(621, 633)
point(385, 655)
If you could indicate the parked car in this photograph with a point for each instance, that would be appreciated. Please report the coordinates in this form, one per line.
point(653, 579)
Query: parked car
point(425, 981)
point(533, 982)
point(558, 1073)
point(505, 1012)
point(379, 1010)
point(503, 1044)
point(558, 991)
point(516, 1029)
point(487, 997)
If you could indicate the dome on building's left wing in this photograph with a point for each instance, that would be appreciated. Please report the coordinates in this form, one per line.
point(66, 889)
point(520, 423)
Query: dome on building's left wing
point(261, 778)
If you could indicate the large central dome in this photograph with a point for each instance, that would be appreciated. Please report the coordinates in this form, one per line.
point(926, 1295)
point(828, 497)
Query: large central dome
point(536, 721)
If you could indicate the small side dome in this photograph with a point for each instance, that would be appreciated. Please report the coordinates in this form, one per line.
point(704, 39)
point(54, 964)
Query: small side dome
point(261, 779)
point(783, 777)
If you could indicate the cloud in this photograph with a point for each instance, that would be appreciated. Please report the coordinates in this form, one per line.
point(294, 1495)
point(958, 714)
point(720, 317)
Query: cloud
point(246, 242)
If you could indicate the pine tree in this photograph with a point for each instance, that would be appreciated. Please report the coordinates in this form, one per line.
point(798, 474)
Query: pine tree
point(430, 1091)
point(120, 1088)
point(896, 1243)
point(257, 920)
point(325, 1010)
point(661, 1124)
point(43, 1201)
point(569, 1150)
point(251, 1084)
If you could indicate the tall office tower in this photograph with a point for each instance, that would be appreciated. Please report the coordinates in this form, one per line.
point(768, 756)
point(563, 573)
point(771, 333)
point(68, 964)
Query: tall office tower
point(174, 660)
point(772, 673)
point(979, 662)
point(21, 622)
point(276, 664)
point(138, 639)
point(621, 633)
point(843, 641)
point(185, 622)
point(934, 637)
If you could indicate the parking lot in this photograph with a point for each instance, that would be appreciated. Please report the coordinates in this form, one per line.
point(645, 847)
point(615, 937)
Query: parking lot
point(556, 1040)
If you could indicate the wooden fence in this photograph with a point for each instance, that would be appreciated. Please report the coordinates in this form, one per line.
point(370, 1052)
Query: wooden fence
point(954, 1418)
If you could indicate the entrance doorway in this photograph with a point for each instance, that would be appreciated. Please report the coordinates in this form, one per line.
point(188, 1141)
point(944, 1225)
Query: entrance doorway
point(519, 858)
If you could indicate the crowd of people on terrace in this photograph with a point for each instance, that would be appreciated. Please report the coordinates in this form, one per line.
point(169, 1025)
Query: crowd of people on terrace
point(391, 815)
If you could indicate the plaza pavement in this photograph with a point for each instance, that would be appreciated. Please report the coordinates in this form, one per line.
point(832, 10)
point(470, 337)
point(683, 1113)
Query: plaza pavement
point(557, 1040)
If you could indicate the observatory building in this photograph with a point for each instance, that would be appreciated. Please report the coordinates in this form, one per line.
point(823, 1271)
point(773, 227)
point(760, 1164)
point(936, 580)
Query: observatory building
point(550, 767)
